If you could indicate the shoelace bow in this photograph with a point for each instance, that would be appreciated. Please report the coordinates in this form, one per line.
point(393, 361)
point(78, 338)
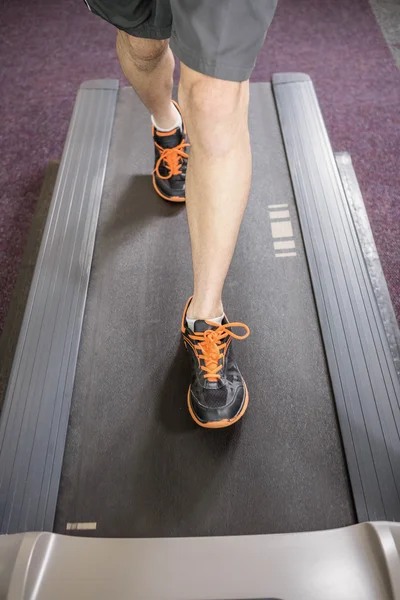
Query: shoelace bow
point(211, 346)
point(172, 158)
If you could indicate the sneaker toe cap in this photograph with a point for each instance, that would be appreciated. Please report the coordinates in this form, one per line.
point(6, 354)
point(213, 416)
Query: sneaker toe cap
point(208, 405)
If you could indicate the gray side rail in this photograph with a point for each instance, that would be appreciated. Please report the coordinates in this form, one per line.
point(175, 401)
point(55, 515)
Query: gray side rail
point(370, 253)
point(362, 371)
point(35, 416)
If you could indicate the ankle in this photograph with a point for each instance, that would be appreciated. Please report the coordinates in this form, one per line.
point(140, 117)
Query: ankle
point(201, 310)
point(167, 120)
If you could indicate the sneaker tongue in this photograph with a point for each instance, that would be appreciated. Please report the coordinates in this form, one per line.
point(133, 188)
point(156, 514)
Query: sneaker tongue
point(170, 140)
point(203, 326)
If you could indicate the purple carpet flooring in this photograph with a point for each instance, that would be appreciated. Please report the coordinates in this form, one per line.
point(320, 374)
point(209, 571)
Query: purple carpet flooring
point(47, 48)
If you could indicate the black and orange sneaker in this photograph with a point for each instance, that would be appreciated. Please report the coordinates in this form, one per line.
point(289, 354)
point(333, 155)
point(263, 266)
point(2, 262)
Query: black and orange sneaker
point(171, 158)
point(217, 395)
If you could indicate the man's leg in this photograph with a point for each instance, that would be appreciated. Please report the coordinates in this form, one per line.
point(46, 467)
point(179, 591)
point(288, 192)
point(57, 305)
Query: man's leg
point(218, 180)
point(148, 65)
point(219, 170)
point(217, 43)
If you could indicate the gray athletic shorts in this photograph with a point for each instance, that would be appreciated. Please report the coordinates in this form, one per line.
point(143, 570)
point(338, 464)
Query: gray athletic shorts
point(220, 38)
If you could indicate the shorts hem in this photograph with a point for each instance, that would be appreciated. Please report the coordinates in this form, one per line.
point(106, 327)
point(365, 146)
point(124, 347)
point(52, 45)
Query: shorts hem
point(214, 69)
point(146, 32)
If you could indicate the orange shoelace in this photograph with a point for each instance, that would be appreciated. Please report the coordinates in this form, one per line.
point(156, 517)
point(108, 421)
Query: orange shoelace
point(172, 158)
point(211, 345)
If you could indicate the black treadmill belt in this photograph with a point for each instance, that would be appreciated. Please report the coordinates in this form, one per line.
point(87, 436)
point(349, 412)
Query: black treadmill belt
point(135, 464)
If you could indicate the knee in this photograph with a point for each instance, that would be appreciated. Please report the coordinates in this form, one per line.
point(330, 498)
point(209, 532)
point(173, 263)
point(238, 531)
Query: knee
point(145, 54)
point(204, 98)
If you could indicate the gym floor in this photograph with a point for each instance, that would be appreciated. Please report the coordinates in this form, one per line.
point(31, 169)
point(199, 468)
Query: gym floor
point(350, 49)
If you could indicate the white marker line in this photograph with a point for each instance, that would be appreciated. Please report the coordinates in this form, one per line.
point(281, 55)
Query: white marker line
point(279, 214)
point(287, 245)
point(286, 254)
point(81, 526)
point(277, 206)
point(281, 229)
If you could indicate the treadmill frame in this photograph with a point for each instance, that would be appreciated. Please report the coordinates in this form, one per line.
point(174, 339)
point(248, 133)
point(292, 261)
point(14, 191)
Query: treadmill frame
point(34, 419)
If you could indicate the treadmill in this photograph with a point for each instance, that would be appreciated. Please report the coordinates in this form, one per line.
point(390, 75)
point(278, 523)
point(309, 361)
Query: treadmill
point(107, 488)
